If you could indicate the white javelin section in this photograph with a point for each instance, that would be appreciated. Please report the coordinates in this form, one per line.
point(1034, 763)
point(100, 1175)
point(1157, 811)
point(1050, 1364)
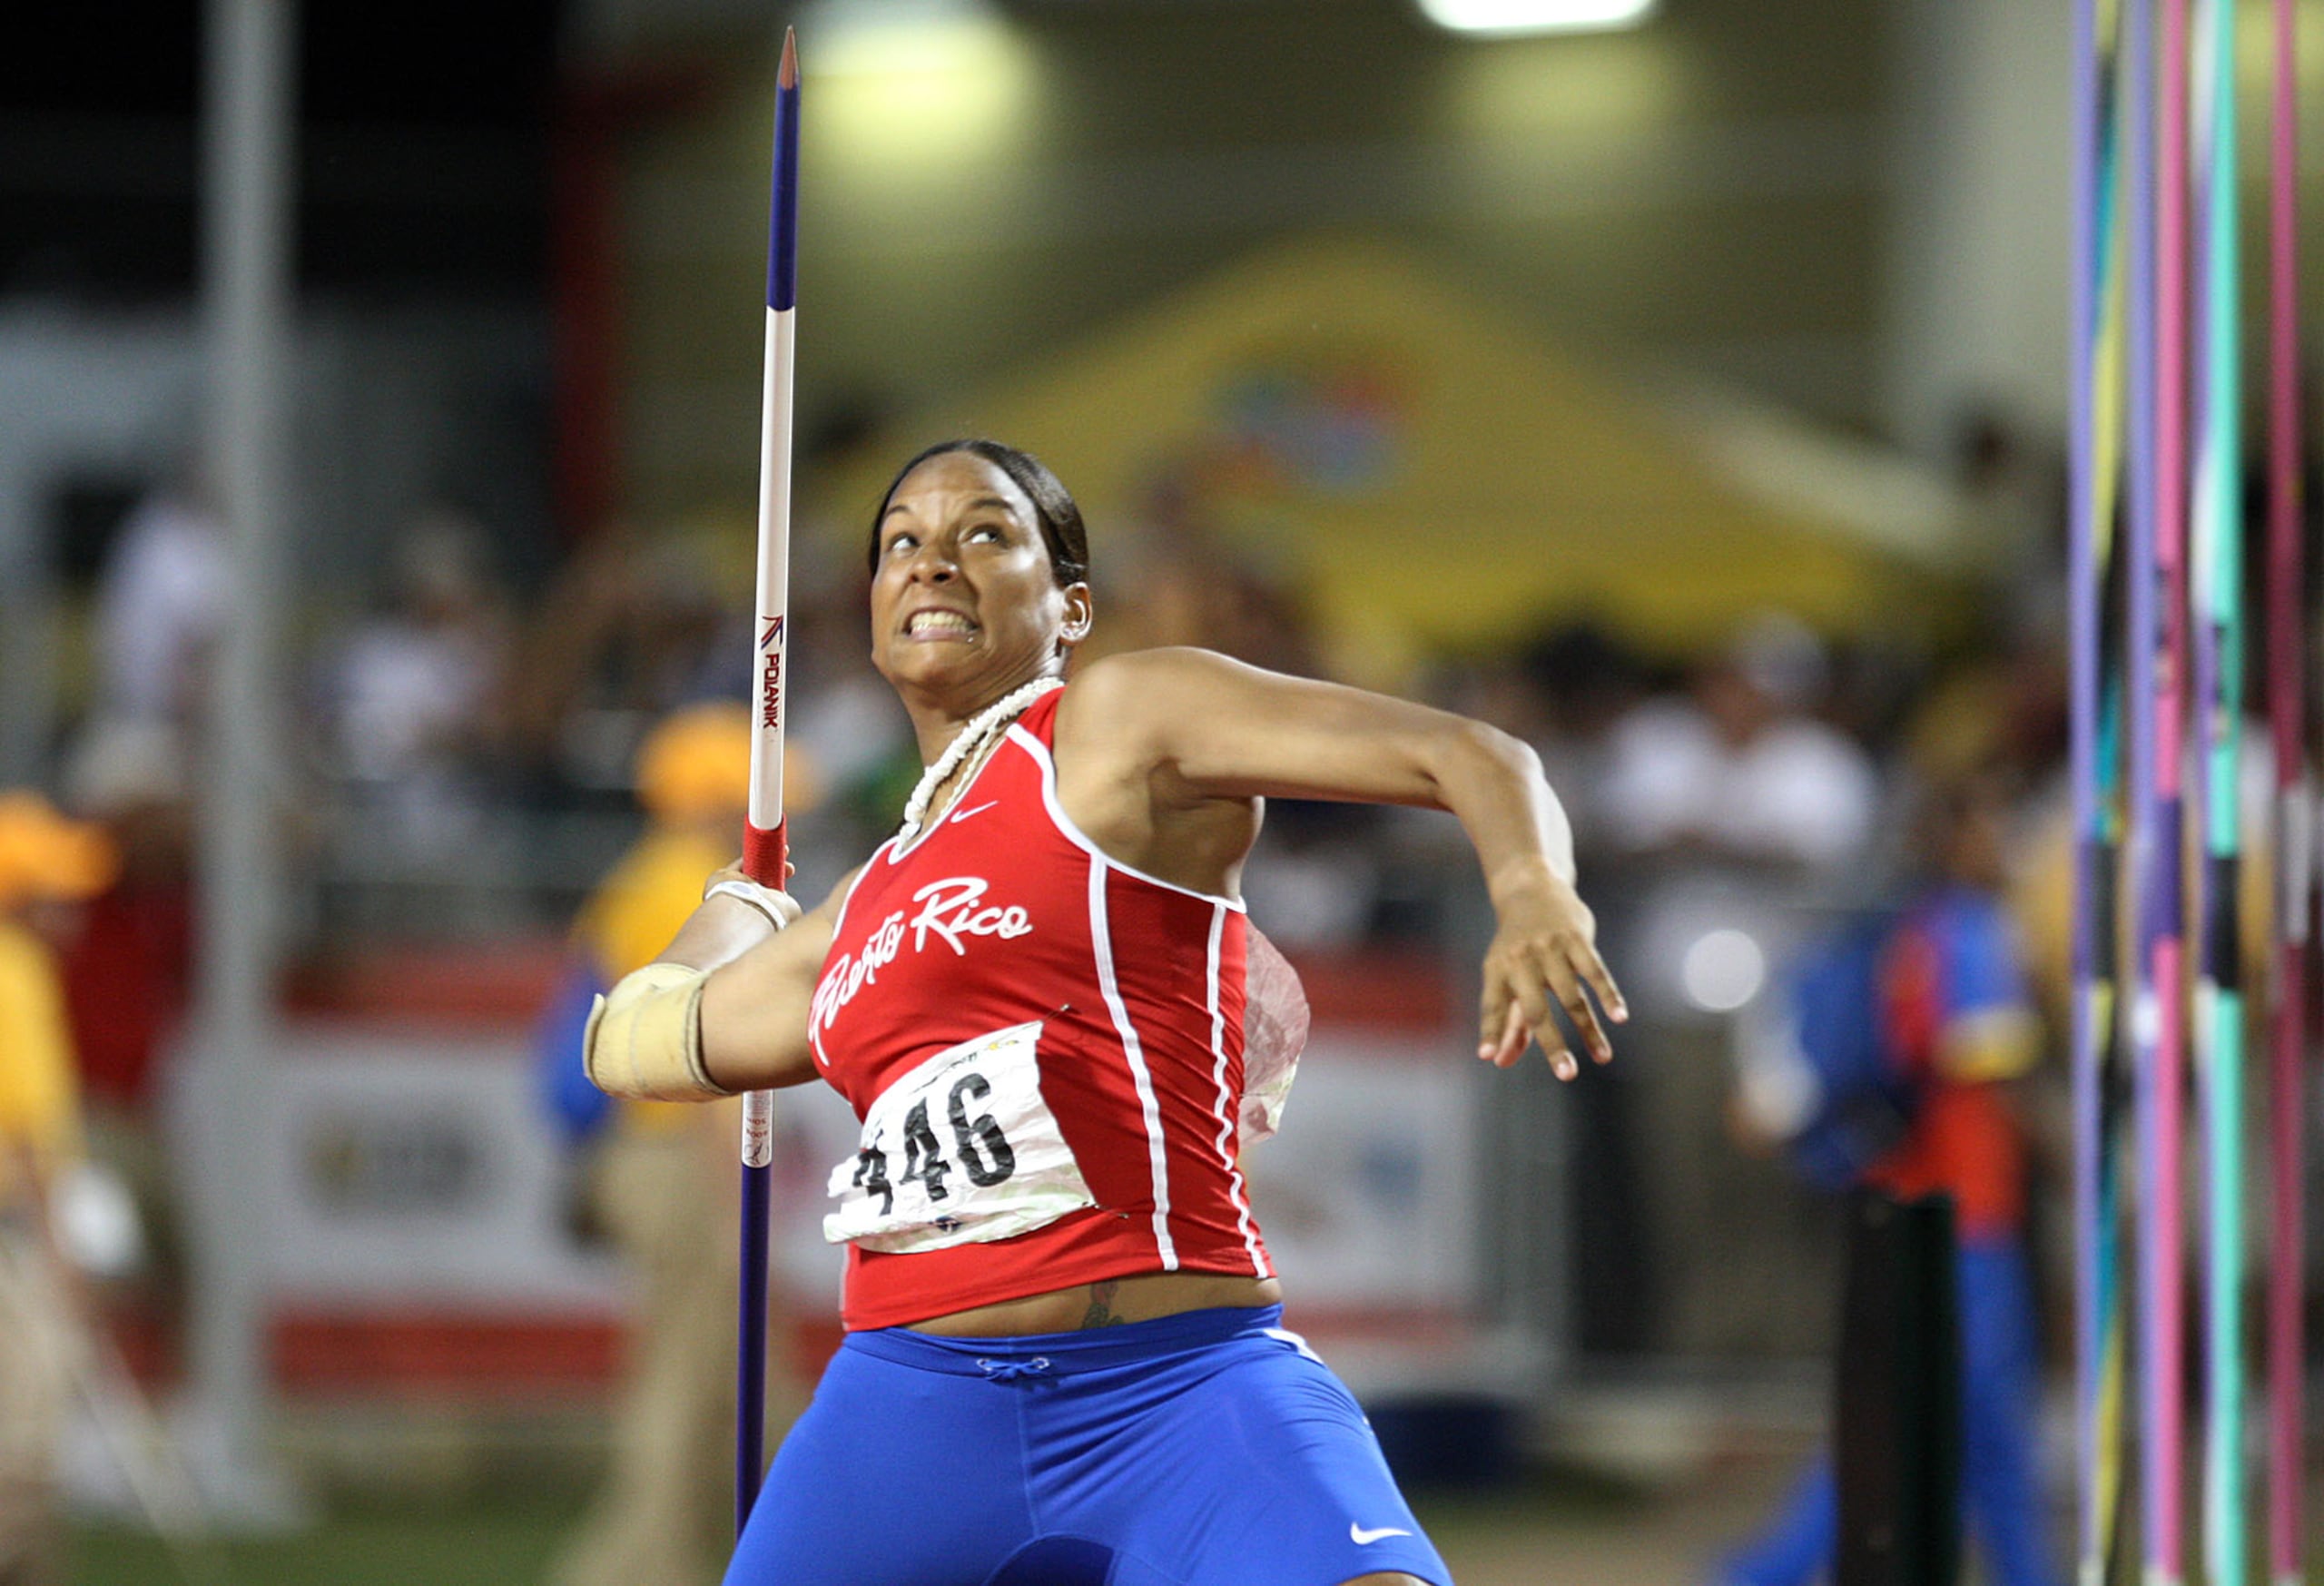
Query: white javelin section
point(1225, 1111)
point(1102, 942)
point(758, 1129)
point(770, 679)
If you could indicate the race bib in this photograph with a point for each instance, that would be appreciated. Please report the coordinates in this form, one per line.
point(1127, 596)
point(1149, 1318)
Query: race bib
point(959, 1150)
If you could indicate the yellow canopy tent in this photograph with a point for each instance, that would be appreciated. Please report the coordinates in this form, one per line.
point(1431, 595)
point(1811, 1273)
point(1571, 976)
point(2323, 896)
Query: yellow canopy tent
point(1428, 472)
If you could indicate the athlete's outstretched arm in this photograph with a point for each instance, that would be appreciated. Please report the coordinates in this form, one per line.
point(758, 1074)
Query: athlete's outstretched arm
point(1204, 727)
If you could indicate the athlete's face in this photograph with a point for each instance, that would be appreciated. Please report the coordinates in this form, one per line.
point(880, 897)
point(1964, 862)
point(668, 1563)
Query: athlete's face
point(963, 597)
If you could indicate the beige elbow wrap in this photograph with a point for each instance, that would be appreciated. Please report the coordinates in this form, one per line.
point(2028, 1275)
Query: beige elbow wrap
point(644, 1039)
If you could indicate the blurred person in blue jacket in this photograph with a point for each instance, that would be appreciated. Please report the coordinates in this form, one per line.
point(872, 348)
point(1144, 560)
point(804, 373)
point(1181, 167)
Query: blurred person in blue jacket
point(664, 1514)
point(1955, 1025)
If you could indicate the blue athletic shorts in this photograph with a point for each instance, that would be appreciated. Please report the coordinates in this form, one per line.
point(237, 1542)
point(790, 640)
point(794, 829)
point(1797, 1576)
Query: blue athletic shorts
point(1210, 1448)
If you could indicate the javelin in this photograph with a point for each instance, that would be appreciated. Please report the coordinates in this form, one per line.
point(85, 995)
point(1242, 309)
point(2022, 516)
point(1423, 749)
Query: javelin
point(2098, 706)
point(2165, 1146)
point(764, 843)
point(2216, 562)
point(2287, 708)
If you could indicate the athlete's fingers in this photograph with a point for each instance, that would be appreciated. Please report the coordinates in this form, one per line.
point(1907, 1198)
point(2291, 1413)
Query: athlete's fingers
point(1553, 1047)
point(1493, 1003)
point(735, 873)
point(1567, 984)
point(1506, 1027)
point(1510, 1044)
point(1592, 968)
point(1534, 997)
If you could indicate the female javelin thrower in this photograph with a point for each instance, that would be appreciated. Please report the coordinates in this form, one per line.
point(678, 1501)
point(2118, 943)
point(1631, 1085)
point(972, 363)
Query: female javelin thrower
point(1064, 1363)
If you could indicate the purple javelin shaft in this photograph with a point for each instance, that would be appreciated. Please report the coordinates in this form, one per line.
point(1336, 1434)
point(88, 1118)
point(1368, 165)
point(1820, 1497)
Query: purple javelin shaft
point(2140, 856)
point(2165, 1313)
point(783, 210)
point(2085, 661)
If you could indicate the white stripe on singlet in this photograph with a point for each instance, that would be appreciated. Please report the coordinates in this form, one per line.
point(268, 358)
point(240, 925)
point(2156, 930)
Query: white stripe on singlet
point(1101, 944)
point(1225, 1111)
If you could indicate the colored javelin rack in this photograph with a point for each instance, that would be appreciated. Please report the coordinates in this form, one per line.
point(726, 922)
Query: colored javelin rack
point(764, 846)
point(2217, 561)
point(2128, 756)
point(2287, 709)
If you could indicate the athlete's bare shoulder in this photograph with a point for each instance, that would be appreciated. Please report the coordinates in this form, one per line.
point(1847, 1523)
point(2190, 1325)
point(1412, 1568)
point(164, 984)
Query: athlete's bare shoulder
point(1166, 678)
point(1128, 709)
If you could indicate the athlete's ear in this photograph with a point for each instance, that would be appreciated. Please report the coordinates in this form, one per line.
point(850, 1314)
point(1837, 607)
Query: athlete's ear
point(1078, 616)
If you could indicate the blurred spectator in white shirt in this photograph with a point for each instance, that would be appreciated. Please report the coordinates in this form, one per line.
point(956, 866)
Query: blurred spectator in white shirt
point(415, 693)
point(1741, 770)
point(160, 601)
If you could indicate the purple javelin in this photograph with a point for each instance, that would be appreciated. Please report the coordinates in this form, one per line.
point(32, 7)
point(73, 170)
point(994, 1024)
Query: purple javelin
point(782, 212)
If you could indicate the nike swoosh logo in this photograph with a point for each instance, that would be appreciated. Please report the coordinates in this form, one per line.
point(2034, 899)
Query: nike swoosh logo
point(1361, 1537)
point(964, 814)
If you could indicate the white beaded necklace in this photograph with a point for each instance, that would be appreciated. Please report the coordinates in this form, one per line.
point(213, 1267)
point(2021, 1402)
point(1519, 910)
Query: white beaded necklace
point(984, 727)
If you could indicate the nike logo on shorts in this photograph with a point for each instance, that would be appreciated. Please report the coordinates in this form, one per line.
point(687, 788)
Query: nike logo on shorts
point(973, 810)
point(1362, 1538)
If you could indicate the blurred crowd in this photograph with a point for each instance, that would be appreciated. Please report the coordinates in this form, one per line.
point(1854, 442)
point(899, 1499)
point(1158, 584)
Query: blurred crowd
point(462, 750)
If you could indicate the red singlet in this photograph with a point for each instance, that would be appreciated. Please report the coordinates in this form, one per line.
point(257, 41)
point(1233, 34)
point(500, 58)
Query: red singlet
point(1046, 1048)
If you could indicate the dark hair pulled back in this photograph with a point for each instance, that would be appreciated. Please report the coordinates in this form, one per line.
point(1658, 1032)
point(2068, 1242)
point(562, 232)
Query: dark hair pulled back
point(1053, 509)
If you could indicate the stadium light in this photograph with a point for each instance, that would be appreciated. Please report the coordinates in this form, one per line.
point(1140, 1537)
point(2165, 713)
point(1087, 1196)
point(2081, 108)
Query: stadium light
point(1516, 18)
point(1723, 971)
point(918, 90)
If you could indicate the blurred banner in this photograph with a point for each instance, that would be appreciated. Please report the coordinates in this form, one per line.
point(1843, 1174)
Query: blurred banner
point(416, 1204)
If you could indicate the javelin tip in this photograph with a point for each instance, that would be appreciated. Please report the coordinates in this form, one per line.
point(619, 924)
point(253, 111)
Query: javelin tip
point(787, 75)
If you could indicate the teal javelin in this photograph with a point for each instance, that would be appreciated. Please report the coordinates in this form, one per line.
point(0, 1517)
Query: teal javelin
point(2218, 561)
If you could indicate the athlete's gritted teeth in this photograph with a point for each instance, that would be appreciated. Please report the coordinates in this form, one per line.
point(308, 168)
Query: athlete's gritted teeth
point(939, 623)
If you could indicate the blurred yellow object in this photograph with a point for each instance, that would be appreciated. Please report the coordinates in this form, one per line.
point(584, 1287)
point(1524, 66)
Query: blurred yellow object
point(695, 765)
point(44, 857)
point(1432, 474)
point(40, 1110)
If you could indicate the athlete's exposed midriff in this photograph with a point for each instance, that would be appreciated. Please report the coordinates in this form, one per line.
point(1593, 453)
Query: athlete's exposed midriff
point(1104, 1304)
